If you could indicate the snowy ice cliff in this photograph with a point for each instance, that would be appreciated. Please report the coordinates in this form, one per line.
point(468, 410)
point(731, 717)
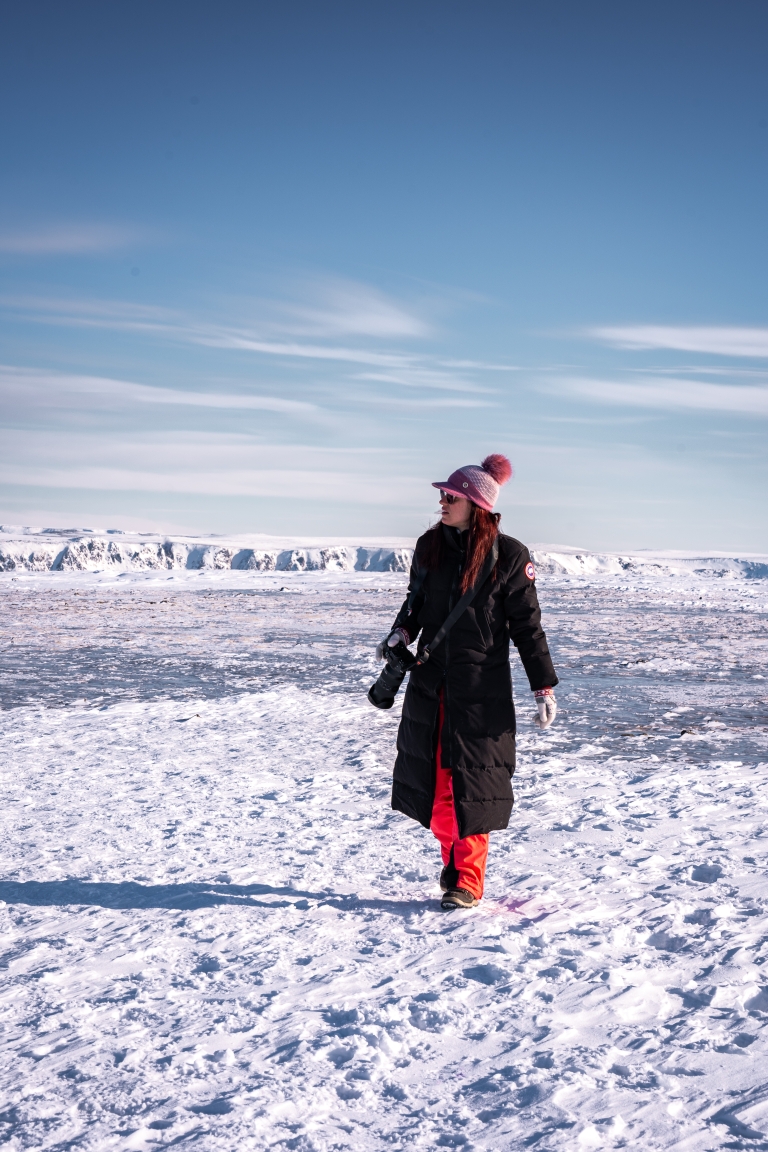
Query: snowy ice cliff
point(93, 550)
point(88, 550)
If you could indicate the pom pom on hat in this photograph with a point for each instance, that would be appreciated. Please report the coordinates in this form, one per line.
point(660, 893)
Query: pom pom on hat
point(498, 467)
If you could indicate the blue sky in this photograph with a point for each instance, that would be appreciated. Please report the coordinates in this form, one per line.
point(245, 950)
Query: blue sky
point(274, 268)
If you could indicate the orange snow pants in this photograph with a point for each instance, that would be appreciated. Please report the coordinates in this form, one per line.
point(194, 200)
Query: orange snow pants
point(470, 854)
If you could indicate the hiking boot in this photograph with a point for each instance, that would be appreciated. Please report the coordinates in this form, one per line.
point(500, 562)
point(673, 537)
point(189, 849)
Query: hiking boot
point(449, 877)
point(458, 898)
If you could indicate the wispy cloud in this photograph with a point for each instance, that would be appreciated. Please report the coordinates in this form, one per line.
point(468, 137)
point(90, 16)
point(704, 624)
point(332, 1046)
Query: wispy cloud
point(203, 463)
point(729, 371)
point(403, 402)
point(480, 365)
point(718, 341)
point(406, 368)
point(668, 393)
point(126, 317)
point(110, 312)
point(346, 308)
point(69, 239)
point(211, 336)
point(414, 376)
point(53, 388)
point(225, 482)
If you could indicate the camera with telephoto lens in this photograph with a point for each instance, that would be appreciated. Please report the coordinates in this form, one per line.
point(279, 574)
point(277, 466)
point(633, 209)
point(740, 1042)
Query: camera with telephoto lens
point(399, 661)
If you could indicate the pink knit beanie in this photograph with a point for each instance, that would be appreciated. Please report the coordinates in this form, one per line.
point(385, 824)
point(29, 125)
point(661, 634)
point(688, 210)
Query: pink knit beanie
point(479, 483)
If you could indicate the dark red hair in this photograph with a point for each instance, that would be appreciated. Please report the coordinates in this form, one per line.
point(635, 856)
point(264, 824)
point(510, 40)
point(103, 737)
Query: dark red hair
point(483, 530)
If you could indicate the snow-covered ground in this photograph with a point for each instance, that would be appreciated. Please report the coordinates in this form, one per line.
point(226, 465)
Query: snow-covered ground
point(215, 932)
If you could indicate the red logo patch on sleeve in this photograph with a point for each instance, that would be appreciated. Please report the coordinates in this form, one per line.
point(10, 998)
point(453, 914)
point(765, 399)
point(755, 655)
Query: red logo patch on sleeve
point(530, 571)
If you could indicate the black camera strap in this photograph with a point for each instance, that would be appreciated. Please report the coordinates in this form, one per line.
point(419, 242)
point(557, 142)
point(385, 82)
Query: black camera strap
point(462, 605)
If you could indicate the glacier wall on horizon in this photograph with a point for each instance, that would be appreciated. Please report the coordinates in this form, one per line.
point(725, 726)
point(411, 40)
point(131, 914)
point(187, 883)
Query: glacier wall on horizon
point(95, 553)
point(56, 550)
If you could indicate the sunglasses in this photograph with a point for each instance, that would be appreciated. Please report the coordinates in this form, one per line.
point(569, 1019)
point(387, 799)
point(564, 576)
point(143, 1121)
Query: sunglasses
point(448, 497)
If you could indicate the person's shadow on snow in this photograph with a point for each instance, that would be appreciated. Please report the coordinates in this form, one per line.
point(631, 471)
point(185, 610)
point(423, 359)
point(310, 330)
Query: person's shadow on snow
point(187, 897)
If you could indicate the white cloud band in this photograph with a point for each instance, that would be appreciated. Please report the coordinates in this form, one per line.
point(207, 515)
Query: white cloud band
point(670, 394)
point(70, 239)
point(718, 341)
point(55, 386)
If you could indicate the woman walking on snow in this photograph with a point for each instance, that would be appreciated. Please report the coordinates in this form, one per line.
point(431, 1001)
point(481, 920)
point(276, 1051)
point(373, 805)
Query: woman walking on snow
point(456, 742)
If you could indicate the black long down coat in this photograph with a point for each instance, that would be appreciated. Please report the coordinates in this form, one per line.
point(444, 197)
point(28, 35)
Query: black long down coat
point(471, 667)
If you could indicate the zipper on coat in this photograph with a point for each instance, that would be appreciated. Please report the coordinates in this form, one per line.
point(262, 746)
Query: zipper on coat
point(447, 642)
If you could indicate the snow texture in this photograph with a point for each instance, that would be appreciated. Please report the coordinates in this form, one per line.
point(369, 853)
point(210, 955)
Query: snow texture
point(214, 932)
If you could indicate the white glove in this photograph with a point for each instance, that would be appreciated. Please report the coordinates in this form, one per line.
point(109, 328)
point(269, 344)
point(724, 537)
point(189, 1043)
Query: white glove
point(390, 640)
point(547, 708)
